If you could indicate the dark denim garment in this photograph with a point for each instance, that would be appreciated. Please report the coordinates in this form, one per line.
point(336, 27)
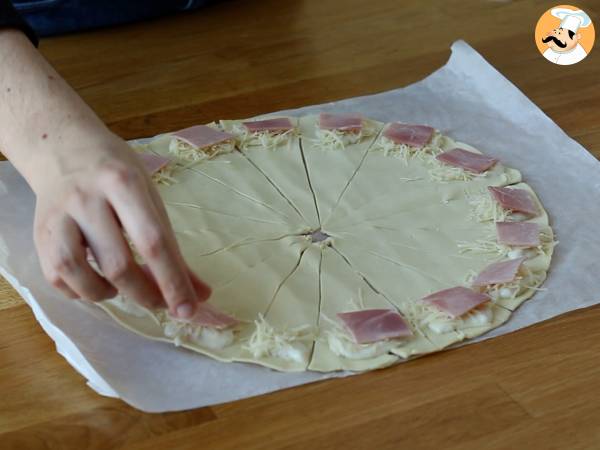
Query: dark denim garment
point(51, 17)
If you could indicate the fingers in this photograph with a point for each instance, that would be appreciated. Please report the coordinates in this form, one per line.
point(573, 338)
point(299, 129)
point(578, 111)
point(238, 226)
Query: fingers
point(203, 290)
point(128, 203)
point(115, 260)
point(130, 198)
point(63, 257)
point(66, 290)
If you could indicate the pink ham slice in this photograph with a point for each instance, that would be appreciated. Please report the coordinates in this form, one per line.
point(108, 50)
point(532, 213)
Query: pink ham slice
point(456, 301)
point(520, 234)
point(208, 316)
point(516, 200)
point(202, 136)
point(153, 163)
point(473, 162)
point(273, 125)
point(412, 135)
point(342, 122)
point(499, 273)
point(371, 325)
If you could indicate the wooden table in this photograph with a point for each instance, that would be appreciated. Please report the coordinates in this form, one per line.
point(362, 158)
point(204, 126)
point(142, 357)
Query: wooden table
point(536, 388)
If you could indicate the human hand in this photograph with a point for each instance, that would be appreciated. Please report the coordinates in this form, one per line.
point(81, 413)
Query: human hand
point(94, 193)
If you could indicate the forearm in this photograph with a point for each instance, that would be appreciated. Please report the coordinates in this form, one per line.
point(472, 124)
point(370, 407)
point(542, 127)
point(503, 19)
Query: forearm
point(40, 114)
point(90, 191)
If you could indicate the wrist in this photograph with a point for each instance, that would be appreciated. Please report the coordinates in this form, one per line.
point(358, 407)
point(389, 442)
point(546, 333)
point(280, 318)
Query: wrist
point(78, 147)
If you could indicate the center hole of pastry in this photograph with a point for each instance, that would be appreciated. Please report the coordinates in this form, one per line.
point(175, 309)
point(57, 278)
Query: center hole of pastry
point(318, 236)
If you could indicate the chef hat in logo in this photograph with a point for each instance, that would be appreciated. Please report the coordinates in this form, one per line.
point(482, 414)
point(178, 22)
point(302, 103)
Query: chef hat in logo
point(571, 20)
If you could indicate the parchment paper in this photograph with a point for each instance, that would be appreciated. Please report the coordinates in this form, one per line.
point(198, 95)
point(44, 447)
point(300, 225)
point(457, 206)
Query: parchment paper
point(466, 99)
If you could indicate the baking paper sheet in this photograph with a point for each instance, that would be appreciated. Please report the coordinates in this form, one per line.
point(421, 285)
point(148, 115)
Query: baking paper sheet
point(466, 99)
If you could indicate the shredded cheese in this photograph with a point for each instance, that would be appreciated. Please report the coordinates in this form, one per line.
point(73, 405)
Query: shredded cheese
point(266, 139)
point(358, 304)
point(165, 175)
point(442, 172)
point(405, 152)
point(491, 246)
point(486, 245)
point(517, 288)
point(187, 152)
point(484, 208)
point(427, 316)
point(339, 139)
point(283, 344)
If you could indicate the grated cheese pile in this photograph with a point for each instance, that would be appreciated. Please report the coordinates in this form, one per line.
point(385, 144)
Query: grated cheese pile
point(284, 344)
point(187, 152)
point(405, 152)
point(484, 208)
point(339, 139)
point(442, 172)
point(440, 322)
point(266, 139)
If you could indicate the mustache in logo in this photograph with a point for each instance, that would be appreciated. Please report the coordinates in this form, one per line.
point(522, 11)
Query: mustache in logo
point(556, 41)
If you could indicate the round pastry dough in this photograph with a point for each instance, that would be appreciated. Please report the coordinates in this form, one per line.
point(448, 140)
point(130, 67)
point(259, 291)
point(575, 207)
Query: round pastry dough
point(291, 231)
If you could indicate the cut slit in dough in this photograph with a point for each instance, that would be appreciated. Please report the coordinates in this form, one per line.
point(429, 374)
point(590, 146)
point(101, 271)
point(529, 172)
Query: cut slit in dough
point(328, 189)
point(283, 165)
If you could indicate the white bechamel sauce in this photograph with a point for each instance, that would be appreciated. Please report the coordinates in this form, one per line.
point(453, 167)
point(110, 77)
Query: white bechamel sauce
point(130, 307)
point(343, 346)
point(213, 338)
point(518, 217)
point(441, 326)
point(516, 253)
point(478, 317)
point(297, 352)
point(210, 338)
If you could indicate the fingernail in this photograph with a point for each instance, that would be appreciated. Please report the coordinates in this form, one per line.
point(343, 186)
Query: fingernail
point(185, 310)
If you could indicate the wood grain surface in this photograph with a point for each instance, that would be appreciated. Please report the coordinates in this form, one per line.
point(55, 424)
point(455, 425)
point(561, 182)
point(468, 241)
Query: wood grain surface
point(538, 388)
